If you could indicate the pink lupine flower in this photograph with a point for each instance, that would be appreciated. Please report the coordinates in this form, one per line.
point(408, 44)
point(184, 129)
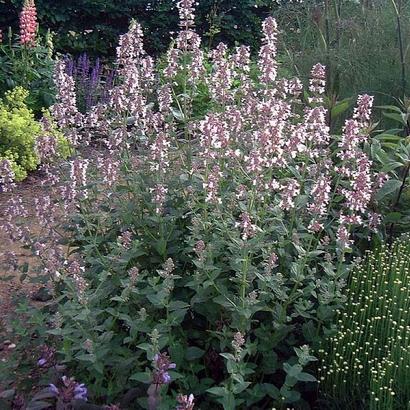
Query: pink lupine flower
point(1, 36)
point(28, 23)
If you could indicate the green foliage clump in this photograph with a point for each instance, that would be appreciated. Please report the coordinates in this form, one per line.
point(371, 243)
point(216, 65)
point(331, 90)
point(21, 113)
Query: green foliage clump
point(367, 362)
point(18, 133)
point(30, 68)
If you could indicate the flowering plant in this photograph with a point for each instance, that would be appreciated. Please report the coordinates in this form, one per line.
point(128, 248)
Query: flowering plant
point(19, 135)
point(208, 255)
point(93, 80)
point(26, 60)
point(367, 362)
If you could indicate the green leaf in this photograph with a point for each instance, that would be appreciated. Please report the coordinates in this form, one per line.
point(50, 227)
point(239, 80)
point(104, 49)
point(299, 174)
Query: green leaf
point(271, 390)
point(292, 371)
point(217, 391)
point(390, 107)
point(396, 117)
point(143, 377)
point(305, 377)
point(391, 186)
point(193, 353)
point(393, 217)
point(340, 108)
point(239, 388)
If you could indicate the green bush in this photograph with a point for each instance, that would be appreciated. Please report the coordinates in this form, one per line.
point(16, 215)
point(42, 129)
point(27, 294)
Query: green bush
point(366, 365)
point(18, 133)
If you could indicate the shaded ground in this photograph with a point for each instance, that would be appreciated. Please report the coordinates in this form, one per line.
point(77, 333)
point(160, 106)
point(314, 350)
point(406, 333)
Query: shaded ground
point(11, 287)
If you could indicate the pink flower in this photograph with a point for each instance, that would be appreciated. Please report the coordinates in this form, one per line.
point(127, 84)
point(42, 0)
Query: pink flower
point(211, 186)
point(343, 237)
point(290, 190)
point(222, 74)
point(6, 176)
point(28, 23)
point(246, 225)
point(185, 402)
point(159, 194)
point(267, 53)
point(363, 110)
point(317, 83)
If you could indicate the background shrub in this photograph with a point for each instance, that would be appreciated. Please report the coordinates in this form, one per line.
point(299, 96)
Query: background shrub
point(94, 26)
point(19, 131)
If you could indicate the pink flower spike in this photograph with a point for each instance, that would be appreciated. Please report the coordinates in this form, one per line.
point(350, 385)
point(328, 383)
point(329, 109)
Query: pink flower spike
point(28, 23)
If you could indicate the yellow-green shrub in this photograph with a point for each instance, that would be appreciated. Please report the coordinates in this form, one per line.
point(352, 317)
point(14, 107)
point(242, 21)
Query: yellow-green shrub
point(18, 132)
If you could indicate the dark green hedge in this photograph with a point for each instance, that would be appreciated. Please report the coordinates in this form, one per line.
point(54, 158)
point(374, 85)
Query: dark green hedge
point(94, 25)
